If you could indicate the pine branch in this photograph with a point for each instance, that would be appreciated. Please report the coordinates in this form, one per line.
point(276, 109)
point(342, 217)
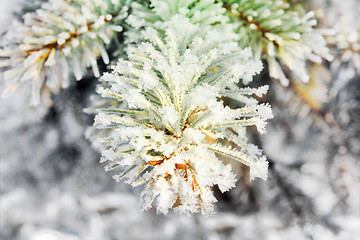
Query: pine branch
point(178, 114)
point(60, 38)
point(279, 35)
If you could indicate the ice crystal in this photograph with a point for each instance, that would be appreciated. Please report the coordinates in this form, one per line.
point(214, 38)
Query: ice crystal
point(168, 118)
point(60, 38)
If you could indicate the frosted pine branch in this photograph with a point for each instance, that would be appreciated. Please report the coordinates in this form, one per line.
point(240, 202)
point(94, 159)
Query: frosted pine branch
point(62, 37)
point(169, 116)
point(279, 35)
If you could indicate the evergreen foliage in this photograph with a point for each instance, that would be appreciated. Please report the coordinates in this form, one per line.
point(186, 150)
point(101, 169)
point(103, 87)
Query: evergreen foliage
point(170, 116)
point(285, 39)
point(62, 37)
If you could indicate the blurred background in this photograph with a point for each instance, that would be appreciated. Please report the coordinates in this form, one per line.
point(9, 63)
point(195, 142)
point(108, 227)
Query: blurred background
point(53, 188)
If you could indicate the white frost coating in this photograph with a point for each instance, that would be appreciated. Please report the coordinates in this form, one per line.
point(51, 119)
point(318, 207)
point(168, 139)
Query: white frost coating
point(169, 118)
point(259, 169)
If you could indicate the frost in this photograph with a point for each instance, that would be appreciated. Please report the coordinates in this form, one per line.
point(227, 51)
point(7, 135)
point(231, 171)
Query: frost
point(259, 169)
